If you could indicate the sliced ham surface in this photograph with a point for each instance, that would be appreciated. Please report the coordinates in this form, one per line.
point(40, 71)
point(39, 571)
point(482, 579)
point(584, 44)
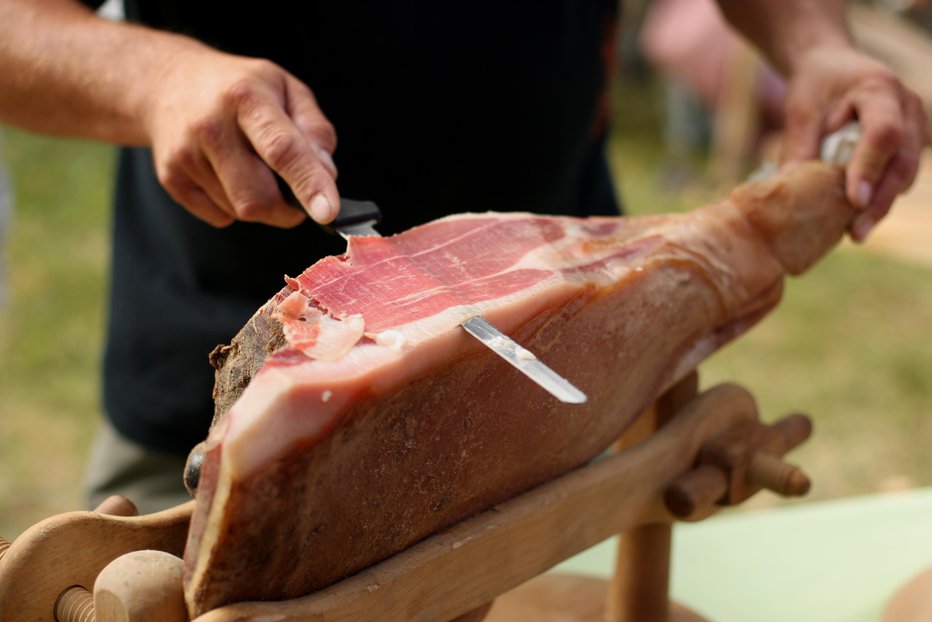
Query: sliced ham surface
point(355, 417)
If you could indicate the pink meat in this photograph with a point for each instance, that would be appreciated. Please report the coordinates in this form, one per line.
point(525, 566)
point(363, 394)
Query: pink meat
point(326, 464)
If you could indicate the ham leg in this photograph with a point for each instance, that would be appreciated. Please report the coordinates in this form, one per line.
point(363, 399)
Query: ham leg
point(319, 465)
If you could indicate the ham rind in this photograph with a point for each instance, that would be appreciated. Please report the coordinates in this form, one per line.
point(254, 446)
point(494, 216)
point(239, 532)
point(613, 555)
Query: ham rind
point(323, 466)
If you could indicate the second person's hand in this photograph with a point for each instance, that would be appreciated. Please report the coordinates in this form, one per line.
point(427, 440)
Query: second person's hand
point(837, 84)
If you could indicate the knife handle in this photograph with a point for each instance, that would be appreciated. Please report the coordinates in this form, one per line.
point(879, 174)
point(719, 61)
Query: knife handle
point(354, 212)
point(351, 212)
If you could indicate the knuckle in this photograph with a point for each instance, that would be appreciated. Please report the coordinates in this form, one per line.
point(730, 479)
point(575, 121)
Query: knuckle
point(254, 202)
point(905, 167)
point(247, 201)
point(241, 92)
point(247, 89)
point(325, 135)
point(879, 79)
point(250, 209)
point(217, 218)
point(208, 131)
point(280, 148)
point(886, 136)
point(172, 179)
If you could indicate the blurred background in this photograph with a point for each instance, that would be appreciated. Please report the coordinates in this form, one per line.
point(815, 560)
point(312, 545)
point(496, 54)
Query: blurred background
point(695, 112)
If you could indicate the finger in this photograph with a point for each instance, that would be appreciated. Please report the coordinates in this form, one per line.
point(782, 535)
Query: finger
point(900, 174)
point(183, 168)
point(203, 175)
point(882, 134)
point(889, 187)
point(190, 196)
point(251, 188)
point(175, 176)
point(288, 151)
point(301, 105)
point(232, 174)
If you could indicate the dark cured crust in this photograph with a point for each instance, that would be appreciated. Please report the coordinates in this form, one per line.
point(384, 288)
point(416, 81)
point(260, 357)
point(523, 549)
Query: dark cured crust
point(235, 364)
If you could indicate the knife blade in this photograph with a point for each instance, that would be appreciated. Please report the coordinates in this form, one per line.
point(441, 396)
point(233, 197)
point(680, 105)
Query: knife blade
point(359, 218)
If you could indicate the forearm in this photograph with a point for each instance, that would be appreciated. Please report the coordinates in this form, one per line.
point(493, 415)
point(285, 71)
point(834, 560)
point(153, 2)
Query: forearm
point(786, 30)
point(65, 71)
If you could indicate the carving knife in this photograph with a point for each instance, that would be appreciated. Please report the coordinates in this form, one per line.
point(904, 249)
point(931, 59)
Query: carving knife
point(360, 217)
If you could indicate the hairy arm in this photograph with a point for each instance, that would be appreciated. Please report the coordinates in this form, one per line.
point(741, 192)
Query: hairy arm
point(218, 124)
point(787, 30)
point(830, 83)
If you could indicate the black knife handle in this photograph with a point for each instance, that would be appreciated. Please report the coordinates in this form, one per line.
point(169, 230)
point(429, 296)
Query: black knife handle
point(351, 212)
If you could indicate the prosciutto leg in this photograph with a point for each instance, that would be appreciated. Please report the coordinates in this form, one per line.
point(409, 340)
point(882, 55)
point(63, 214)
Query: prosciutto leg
point(354, 417)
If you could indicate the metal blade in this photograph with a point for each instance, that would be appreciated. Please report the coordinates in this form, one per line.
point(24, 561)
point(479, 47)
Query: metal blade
point(366, 229)
point(523, 360)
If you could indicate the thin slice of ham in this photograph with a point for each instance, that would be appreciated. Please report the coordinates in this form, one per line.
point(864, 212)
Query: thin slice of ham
point(313, 332)
point(326, 464)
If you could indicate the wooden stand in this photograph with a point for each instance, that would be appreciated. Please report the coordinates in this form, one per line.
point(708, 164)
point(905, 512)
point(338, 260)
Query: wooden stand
point(454, 574)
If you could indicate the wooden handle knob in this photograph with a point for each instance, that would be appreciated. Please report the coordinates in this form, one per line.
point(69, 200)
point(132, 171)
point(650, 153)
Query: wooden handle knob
point(794, 429)
point(117, 505)
point(142, 586)
point(771, 472)
point(697, 489)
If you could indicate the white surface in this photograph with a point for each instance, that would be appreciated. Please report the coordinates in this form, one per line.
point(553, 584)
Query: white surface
point(837, 561)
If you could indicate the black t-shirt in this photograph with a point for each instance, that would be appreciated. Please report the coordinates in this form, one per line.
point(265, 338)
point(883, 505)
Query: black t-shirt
point(439, 108)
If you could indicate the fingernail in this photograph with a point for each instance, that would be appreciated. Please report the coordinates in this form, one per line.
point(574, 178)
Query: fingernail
point(320, 209)
point(862, 227)
point(327, 159)
point(865, 191)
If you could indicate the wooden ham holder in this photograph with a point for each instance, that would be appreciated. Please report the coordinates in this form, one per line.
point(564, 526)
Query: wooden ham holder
point(683, 458)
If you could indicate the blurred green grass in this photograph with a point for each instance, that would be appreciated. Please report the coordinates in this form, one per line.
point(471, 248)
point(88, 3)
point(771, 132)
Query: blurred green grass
point(51, 328)
point(849, 344)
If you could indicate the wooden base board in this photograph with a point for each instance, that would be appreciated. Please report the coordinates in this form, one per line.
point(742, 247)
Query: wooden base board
point(565, 598)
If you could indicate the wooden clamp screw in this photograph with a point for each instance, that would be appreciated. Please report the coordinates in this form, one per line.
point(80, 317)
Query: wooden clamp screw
point(76, 603)
point(738, 463)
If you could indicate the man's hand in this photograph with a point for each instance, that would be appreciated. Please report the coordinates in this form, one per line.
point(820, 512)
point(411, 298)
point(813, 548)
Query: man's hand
point(835, 84)
point(221, 126)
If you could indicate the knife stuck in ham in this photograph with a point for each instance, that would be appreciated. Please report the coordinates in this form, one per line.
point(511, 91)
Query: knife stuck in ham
point(354, 417)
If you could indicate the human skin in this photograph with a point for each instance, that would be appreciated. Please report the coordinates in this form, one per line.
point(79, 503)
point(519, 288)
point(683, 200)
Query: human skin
point(68, 72)
point(830, 83)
